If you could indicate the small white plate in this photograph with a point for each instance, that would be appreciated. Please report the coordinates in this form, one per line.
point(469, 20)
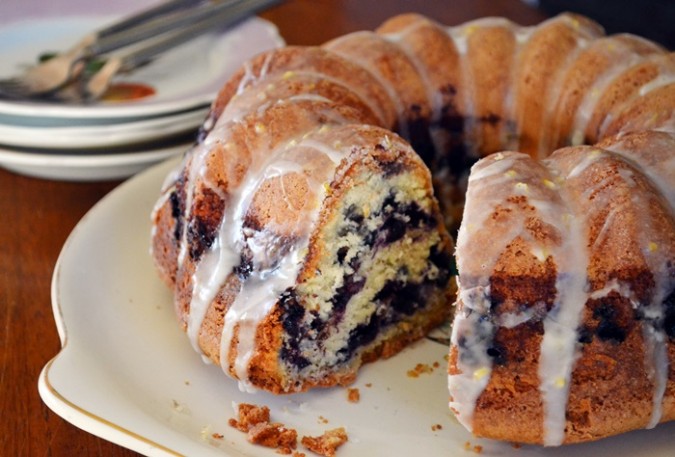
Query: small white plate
point(187, 77)
point(116, 134)
point(127, 373)
point(87, 166)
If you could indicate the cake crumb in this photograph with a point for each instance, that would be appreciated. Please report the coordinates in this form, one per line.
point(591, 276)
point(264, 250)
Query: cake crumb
point(298, 454)
point(419, 369)
point(249, 416)
point(369, 385)
point(323, 420)
point(469, 447)
point(436, 365)
point(273, 435)
point(255, 422)
point(516, 445)
point(327, 443)
point(217, 436)
point(353, 395)
point(436, 427)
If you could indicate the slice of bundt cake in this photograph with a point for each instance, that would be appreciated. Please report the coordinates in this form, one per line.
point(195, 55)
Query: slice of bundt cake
point(564, 329)
point(301, 245)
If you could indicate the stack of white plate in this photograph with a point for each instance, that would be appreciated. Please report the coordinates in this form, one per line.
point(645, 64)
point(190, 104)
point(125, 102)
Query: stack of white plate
point(115, 139)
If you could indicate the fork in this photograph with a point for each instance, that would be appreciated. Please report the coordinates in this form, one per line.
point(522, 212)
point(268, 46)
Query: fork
point(93, 86)
point(57, 73)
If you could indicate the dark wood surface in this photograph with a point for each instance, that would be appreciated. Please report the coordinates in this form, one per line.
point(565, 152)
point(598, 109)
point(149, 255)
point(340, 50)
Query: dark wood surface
point(37, 215)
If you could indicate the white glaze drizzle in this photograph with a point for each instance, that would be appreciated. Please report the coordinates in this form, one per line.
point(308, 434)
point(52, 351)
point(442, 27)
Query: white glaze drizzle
point(471, 331)
point(514, 319)
point(434, 96)
point(559, 350)
point(218, 262)
point(366, 64)
point(658, 164)
point(274, 271)
point(269, 279)
point(588, 105)
point(657, 255)
point(588, 160)
point(657, 252)
point(466, 96)
point(663, 79)
point(377, 110)
point(209, 274)
point(545, 144)
point(250, 77)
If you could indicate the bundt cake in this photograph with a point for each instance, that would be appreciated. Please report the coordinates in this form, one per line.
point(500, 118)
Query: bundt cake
point(301, 235)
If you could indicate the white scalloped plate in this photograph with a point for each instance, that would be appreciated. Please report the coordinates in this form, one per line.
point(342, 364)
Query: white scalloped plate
point(86, 165)
point(187, 77)
point(68, 137)
point(128, 374)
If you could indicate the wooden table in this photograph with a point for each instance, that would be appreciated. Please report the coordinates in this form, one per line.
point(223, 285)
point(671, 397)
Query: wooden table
point(37, 216)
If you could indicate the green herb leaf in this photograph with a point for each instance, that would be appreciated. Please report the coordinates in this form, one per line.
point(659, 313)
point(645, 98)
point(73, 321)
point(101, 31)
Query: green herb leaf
point(45, 56)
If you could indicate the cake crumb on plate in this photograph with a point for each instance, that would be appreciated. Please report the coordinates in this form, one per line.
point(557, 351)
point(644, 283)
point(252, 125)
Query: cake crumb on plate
point(353, 395)
point(327, 443)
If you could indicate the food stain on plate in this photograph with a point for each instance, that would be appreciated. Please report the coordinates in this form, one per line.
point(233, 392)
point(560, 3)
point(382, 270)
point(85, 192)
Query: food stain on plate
point(126, 91)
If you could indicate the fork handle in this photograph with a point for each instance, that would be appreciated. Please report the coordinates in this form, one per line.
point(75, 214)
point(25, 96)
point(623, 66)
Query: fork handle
point(221, 17)
point(156, 24)
point(128, 22)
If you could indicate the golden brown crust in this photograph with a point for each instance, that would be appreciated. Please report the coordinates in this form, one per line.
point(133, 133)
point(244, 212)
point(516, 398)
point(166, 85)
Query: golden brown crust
point(389, 62)
point(488, 46)
point(622, 89)
point(653, 111)
point(429, 44)
point(610, 391)
point(311, 59)
point(601, 56)
point(537, 67)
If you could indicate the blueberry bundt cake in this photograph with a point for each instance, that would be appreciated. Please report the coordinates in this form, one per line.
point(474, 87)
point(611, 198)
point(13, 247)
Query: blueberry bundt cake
point(301, 240)
point(301, 235)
